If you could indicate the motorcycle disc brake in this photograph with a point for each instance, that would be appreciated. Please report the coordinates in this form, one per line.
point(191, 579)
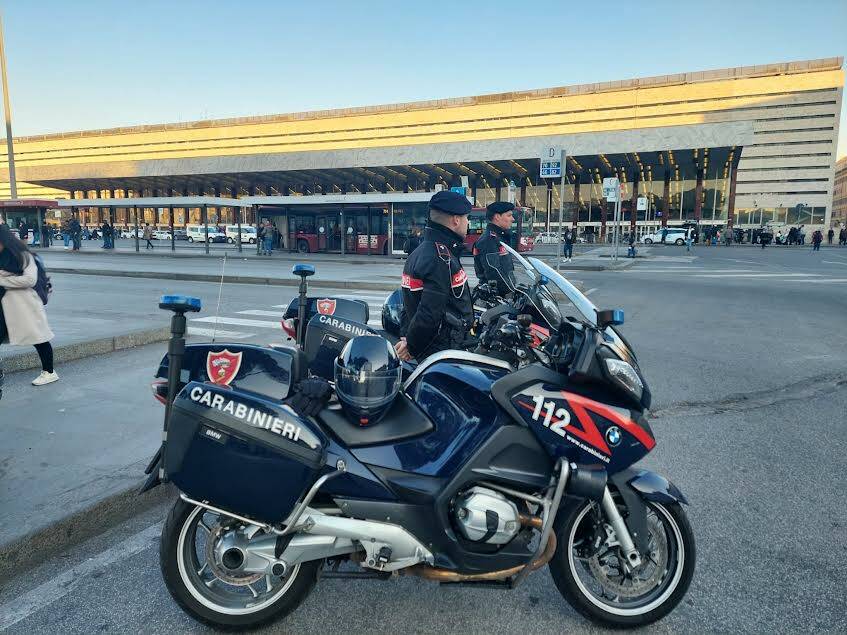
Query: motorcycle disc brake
point(643, 579)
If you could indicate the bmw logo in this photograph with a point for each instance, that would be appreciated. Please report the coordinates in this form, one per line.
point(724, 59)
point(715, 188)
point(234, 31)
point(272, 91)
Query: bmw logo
point(613, 436)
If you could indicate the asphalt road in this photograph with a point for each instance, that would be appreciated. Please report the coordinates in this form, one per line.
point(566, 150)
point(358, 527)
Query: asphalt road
point(744, 351)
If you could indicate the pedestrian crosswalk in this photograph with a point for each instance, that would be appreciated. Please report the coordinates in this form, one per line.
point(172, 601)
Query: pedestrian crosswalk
point(706, 273)
point(263, 323)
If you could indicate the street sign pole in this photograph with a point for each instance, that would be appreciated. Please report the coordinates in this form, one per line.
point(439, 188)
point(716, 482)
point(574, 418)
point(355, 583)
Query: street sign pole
point(559, 252)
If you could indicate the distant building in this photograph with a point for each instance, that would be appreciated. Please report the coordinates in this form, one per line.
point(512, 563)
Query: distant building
point(839, 194)
point(745, 146)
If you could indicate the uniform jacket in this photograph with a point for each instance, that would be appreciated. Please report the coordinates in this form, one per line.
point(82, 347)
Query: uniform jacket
point(491, 261)
point(436, 296)
point(23, 311)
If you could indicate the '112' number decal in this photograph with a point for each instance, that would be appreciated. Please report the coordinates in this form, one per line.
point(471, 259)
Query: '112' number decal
point(563, 417)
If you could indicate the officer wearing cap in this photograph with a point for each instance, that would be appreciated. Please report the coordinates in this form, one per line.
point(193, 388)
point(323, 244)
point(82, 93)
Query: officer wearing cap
point(438, 311)
point(491, 261)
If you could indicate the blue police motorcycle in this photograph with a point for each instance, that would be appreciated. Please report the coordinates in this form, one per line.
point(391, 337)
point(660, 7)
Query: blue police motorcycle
point(489, 465)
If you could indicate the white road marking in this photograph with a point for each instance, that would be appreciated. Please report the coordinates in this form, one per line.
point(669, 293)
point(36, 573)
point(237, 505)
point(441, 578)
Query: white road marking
point(825, 280)
point(755, 275)
point(233, 335)
point(834, 262)
point(262, 324)
point(257, 312)
point(61, 585)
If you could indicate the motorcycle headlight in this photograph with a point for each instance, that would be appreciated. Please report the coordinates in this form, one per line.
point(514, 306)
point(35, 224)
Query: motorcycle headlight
point(625, 375)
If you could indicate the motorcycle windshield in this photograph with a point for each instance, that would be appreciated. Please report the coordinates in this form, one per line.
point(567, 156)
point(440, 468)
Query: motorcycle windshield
point(570, 300)
point(529, 271)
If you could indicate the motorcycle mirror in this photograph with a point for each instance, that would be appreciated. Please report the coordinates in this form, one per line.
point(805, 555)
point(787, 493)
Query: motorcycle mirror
point(303, 270)
point(609, 317)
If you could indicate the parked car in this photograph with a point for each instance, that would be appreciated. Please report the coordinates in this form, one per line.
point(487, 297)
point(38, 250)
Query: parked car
point(180, 234)
point(161, 234)
point(547, 238)
point(130, 233)
point(674, 236)
point(197, 233)
point(248, 234)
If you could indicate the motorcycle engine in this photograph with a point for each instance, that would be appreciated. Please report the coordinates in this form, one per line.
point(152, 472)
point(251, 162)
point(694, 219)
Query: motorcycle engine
point(484, 515)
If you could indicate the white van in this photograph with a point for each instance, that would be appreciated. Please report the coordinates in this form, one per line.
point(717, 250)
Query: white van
point(248, 234)
point(197, 234)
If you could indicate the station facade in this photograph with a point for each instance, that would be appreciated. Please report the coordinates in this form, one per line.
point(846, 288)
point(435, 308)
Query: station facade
point(741, 146)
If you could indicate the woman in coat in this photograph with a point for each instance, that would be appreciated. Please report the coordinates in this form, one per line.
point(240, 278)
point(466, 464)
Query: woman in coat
point(21, 310)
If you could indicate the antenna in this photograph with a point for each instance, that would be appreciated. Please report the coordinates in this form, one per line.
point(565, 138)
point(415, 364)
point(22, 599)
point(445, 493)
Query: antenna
point(220, 291)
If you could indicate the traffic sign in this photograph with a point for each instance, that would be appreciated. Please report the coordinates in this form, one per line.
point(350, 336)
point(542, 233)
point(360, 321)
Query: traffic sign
point(611, 188)
point(642, 204)
point(551, 163)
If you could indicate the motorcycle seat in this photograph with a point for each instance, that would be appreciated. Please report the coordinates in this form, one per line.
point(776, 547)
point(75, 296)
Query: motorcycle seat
point(403, 421)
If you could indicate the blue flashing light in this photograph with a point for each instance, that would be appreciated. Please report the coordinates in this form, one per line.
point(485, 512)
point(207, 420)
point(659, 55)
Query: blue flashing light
point(617, 317)
point(180, 303)
point(303, 270)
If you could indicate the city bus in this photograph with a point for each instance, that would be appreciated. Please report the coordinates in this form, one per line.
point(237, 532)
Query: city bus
point(522, 236)
point(374, 223)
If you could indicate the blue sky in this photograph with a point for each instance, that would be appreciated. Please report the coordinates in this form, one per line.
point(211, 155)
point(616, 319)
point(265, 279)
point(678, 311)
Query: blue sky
point(85, 64)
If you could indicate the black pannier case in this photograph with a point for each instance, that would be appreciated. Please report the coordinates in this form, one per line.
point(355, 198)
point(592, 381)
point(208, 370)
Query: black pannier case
point(240, 452)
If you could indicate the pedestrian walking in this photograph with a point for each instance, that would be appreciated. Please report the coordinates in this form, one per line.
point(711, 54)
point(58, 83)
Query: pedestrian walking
point(688, 239)
point(817, 239)
point(23, 320)
point(631, 242)
point(46, 239)
point(76, 234)
point(569, 240)
point(148, 236)
point(830, 235)
point(842, 237)
point(106, 231)
point(267, 238)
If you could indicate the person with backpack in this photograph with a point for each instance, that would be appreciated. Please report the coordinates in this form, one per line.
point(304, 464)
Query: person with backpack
point(24, 287)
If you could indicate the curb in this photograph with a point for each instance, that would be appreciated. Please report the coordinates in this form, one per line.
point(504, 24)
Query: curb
point(350, 259)
point(200, 277)
point(90, 348)
point(34, 548)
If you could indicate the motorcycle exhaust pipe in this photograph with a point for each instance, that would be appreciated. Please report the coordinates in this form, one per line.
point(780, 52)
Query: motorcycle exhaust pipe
point(445, 575)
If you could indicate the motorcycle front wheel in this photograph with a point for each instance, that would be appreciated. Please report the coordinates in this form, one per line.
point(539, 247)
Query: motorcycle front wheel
point(210, 593)
point(592, 575)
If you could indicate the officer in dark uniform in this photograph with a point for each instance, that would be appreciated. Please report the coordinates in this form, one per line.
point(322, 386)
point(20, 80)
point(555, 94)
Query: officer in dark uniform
point(491, 261)
point(437, 300)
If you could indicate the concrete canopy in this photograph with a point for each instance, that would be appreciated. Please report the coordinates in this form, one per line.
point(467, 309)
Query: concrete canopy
point(390, 168)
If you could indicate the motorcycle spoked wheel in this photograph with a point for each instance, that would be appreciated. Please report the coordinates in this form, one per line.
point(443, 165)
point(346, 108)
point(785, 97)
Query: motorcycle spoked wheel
point(204, 591)
point(590, 576)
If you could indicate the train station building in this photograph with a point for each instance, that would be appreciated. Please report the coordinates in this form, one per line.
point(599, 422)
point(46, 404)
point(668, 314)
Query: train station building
point(740, 146)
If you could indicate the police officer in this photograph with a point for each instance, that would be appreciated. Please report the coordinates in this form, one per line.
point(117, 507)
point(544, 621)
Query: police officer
point(436, 297)
point(491, 261)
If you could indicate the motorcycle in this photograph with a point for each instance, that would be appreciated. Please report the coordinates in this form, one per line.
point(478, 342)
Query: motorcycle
point(489, 465)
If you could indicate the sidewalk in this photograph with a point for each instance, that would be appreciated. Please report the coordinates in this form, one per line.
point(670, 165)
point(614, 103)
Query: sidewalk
point(74, 451)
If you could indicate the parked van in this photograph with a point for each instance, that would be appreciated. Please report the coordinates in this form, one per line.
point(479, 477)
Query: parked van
point(248, 234)
point(197, 233)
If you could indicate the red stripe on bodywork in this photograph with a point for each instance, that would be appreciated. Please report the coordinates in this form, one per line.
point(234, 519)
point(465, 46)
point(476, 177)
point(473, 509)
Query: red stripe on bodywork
point(579, 403)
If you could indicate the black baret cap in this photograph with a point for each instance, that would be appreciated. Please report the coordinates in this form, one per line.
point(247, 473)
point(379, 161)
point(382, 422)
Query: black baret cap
point(500, 207)
point(450, 203)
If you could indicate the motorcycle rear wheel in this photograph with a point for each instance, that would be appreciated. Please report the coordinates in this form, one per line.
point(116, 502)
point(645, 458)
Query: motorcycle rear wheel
point(224, 604)
point(586, 583)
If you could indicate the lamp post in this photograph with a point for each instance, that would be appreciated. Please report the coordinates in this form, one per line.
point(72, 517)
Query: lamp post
point(10, 150)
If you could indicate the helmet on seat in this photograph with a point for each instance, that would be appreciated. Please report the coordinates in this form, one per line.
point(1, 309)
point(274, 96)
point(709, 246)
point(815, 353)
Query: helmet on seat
point(367, 378)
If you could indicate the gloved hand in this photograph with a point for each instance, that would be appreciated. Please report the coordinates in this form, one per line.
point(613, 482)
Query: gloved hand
point(310, 396)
